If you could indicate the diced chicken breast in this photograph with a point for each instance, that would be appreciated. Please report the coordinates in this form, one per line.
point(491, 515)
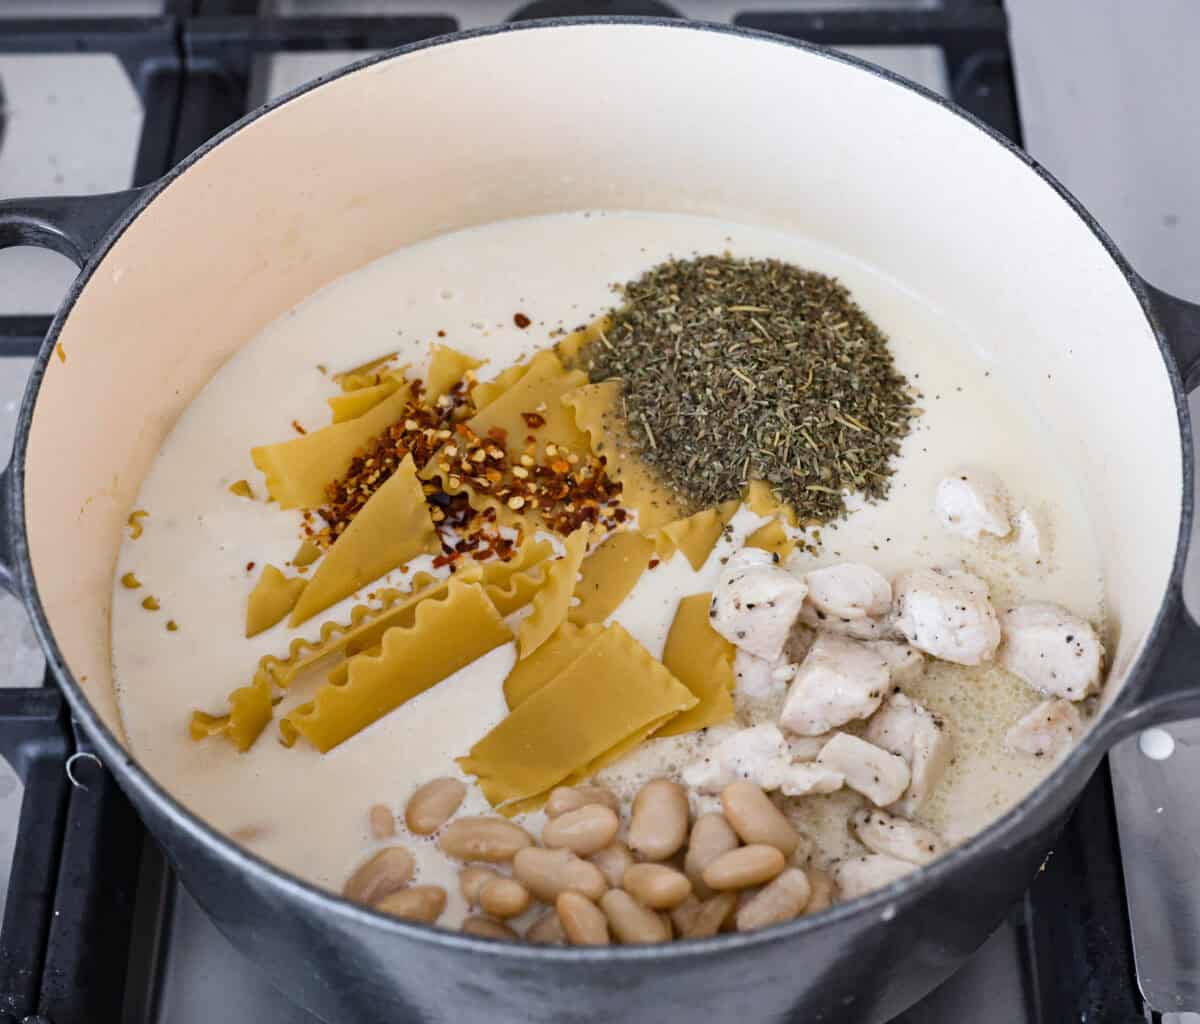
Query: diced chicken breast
point(760, 755)
point(802, 779)
point(806, 748)
point(947, 613)
point(754, 678)
point(878, 775)
point(839, 681)
point(904, 661)
point(740, 755)
point(856, 629)
point(1030, 539)
point(1047, 731)
point(1052, 650)
point(849, 591)
point(897, 837)
point(909, 730)
point(756, 603)
point(970, 502)
point(858, 876)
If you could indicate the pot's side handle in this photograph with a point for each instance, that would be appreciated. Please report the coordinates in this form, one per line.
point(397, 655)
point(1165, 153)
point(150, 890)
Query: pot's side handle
point(71, 225)
point(1172, 691)
point(74, 226)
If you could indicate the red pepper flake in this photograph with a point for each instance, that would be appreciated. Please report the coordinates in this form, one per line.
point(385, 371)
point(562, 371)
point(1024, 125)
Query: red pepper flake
point(441, 334)
point(498, 434)
point(653, 563)
point(249, 566)
point(533, 420)
point(521, 320)
point(299, 429)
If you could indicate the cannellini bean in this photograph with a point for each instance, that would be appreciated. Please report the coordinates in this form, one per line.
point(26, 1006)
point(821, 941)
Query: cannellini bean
point(390, 869)
point(860, 875)
point(613, 861)
point(481, 838)
point(549, 873)
point(583, 922)
point(430, 807)
point(658, 825)
point(485, 928)
point(504, 898)
point(879, 776)
point(547, 930)
point(904, 840)
point(823, 892)
point(423, 903)
point(711, 915)
point(584, 831)
point(744, 867)
point(657, 886)
point(630, 921)
point(471, 881)
point(711, 836)
point(382, 822)
point(780, 901)
point(756, 820)
point(684, 915)
point(570, 798)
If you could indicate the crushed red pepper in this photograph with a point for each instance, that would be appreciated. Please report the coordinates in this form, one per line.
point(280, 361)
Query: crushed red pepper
point(521, 320)
point(565, 490)
point(299, 429)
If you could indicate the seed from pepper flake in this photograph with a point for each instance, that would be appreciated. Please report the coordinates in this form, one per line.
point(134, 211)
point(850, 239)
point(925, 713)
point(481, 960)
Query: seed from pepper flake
point(172, 626)
point(130, 582)
point(516, 502)
point(150, 604)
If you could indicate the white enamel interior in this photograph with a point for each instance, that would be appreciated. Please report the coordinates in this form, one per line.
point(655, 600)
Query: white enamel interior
point(618, 116)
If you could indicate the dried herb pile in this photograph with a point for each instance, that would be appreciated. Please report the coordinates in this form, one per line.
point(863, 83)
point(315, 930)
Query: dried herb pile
point(738, 370)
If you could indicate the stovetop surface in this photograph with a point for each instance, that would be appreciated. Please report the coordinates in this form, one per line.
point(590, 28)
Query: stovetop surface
point(96, 105)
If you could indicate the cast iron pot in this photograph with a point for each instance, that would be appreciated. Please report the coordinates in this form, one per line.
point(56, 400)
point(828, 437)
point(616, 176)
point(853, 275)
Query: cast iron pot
point(581, 114)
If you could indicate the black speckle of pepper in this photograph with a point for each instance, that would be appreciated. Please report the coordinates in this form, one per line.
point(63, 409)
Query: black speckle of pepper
point(1070, 639)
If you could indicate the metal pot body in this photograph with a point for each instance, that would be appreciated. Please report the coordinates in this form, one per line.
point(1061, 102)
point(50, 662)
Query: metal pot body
point(616, 114)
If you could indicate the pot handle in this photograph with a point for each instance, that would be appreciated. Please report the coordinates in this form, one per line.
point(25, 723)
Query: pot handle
point(1172, 690)
point(71, 225)
point(74, 226)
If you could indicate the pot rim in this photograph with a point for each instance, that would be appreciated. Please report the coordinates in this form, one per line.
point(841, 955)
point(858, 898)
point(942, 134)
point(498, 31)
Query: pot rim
point(999, 833)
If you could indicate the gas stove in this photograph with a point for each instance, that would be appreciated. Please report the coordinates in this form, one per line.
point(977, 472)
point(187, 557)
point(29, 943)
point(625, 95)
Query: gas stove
point(96, 96)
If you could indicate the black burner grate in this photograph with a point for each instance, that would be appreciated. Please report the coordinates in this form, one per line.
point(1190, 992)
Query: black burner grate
point(70, 952)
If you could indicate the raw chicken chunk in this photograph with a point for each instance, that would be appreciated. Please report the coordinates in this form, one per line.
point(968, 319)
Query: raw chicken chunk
point(904, 661)
point(802, 779)
point(849, 591)
point(947, 613)
point(907, 729)
point(971, 502)
point(880, 776)
point(839, 681)
point(760, 755)
point(754, 677)
point(1052, 650)
point(857, 629)
point(883, 833)
point(860, 875)
point(806, 748)
point(1046, 731)
point(755, 603)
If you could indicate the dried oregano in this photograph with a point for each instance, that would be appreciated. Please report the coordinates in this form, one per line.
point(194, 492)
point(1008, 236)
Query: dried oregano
point(737, 370)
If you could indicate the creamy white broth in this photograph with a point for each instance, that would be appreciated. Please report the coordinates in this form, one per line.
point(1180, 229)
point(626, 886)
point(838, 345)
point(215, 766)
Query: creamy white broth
point(308, 812)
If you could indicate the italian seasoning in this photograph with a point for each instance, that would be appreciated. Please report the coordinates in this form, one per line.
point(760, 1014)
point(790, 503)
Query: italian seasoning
point(738, 370)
